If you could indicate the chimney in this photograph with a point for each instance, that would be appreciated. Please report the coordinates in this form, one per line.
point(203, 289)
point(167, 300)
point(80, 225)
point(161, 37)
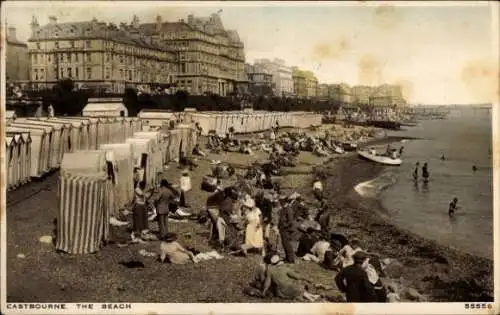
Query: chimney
point(11, 33)
point(158, 22)
point(52, 20)
point(34, 25)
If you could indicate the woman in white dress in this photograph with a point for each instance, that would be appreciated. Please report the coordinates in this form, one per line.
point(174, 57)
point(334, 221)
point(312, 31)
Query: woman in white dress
point(254, 232)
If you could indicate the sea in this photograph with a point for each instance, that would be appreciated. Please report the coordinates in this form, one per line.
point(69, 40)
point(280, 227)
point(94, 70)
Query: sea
point(465, 139)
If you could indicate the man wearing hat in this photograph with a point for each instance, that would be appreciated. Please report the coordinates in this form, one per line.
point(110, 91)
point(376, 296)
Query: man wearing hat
point(162, 201)
point(353, 281)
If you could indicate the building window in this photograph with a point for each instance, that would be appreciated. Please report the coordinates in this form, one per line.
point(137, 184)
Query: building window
point(76, 57)
point(121, 59)
point(77, 75)
point(130, 75)
point(68, 57)
point(183, 67)
point(89, 57)
point(89, 73)
point(61, 57)
point(107, 73)
point(56, 44)
point(62, 72)
point(69, 73)
point(107, 57)
point(38, 46)
point(48, 58)
point(36, 75)
point(88, 44)
point(72, 44)
point(121, 74)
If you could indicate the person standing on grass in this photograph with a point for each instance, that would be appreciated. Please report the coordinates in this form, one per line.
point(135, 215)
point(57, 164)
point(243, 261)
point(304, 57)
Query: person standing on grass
point(162, 202)
point(140, 214)
point(185, 186)
point(353, 281)
point(287, 230)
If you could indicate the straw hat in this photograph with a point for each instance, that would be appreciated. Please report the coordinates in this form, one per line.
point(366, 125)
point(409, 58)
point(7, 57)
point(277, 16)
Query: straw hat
point(249, 203)
point(275, 259)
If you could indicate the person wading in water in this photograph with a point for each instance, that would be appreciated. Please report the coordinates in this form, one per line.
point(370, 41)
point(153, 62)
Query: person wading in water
point(415, 172)
point(425, 173)
point(453, 207)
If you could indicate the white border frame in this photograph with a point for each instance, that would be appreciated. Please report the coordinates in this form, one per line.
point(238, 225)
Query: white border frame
point(269, 308)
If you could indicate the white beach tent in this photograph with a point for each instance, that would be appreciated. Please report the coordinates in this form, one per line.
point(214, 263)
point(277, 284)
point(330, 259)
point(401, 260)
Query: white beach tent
point(142, 156)
point(92, 125)
point(113, 109)
point(39, 149)
point(84, 136)
point(124, 172)
point(84, 197)
point(24, 156)
point(57, 139)
point(156, 118)
point(54, 136)
point(76, 135)
point(46, 150)
point(156, 156)
point(65, 131)
point(10, 161)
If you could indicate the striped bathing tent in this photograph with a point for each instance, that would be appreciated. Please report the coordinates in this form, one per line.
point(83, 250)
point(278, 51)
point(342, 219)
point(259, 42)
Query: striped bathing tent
point(123, 171)
point(83, 135)
point(40, 149)
point(142, 157)
point(82, 221)
point(85, 202)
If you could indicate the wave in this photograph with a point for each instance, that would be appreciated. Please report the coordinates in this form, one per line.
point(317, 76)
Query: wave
point(374, 187)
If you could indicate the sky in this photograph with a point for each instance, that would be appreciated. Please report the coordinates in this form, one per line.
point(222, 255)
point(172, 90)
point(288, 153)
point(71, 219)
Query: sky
point(442, 53)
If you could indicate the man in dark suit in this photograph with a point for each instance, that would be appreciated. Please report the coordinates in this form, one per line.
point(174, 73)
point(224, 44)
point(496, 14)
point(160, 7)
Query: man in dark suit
point(353, 281)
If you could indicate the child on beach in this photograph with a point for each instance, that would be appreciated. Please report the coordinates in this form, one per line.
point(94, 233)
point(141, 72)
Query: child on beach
point(453, 206)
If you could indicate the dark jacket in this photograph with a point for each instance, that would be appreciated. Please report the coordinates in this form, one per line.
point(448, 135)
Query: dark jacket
point(357, 287)
point(214, 200)
point(306, 242)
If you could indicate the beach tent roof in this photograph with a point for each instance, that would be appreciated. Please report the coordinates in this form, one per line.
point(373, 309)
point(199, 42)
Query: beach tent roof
point(84, 162)
point(100, 107)
point(9, 141)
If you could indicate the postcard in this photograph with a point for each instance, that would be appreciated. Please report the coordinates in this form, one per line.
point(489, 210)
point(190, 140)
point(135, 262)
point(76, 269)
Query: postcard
point(246, 157)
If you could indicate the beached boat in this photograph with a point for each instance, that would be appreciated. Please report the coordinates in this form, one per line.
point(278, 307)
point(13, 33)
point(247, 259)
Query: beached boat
point(350, 146)
point(382, 159)
point(338, 150)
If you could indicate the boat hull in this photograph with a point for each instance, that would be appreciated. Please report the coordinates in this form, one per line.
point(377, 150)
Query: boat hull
point(380, 159)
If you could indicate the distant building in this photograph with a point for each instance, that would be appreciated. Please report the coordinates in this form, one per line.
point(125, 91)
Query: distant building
point(311, 84)
point(361, 94)
point(17, 58)
point(323, 91)
point(282, 76)
point(387, 95)
point(340, 93)
point(299, 82)
point(96, 55)
point(260, 80)
point(210, 57)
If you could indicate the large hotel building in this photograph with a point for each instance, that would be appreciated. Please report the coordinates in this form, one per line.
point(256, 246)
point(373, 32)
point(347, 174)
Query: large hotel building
point(197, 55)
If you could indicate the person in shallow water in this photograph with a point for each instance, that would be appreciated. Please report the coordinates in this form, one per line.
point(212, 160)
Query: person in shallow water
point(443, 157)
point(415, 172)
point(425, 172)
point(474, 168)
point(453, 207)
